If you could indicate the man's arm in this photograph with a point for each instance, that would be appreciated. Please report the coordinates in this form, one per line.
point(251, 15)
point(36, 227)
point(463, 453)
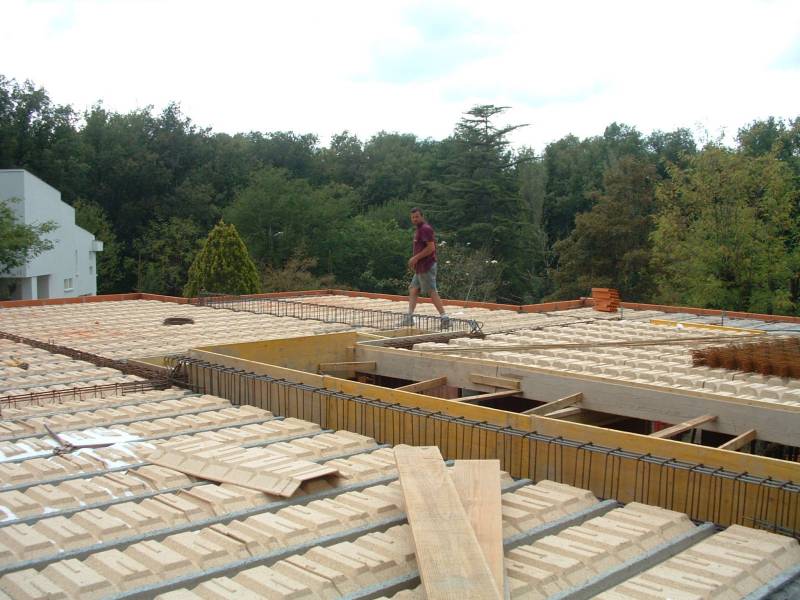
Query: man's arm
point(426, 251)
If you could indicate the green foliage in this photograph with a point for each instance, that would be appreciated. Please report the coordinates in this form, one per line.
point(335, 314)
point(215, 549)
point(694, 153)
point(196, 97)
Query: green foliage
point(725, 234)
point(467, 274)
point(20, 242)
point(223, 265)
point(276, 214)
point(372, 254)
point(94, 219)
point(149, 182)
point(295, 275)
point(609, 246)
point(164, 253)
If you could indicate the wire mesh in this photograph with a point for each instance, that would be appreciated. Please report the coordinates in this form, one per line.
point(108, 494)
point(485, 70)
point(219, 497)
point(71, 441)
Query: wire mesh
point(327, 313)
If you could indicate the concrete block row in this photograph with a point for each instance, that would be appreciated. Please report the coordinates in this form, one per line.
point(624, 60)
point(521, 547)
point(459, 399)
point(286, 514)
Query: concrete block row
point(147, 429)
point(89, 402)
point(47, 498)
point(88, 527)
point(106, 416)
point(730, 564)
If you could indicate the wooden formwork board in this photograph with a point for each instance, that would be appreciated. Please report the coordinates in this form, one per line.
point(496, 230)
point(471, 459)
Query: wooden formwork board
point(671, 481)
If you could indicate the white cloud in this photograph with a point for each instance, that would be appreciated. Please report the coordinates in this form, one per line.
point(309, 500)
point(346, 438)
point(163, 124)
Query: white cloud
point(323, 67)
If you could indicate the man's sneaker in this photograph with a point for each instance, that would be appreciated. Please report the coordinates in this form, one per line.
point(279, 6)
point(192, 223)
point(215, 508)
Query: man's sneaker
point(407, 321)
point(445, 322)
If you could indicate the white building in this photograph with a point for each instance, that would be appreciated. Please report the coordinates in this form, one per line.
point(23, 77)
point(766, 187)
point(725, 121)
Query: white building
point(70, 268)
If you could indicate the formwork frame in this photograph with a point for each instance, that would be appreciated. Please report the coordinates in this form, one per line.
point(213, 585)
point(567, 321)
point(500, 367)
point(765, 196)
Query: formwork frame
point(706, 493)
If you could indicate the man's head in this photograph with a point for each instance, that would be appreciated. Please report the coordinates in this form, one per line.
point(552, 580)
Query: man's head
point(416, 216)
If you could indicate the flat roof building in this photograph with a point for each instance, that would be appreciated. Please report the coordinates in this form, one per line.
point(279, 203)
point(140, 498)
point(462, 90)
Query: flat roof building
point(67, 270)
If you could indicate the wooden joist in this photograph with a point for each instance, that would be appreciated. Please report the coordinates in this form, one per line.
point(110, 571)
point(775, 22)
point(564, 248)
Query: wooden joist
point(555, 405)
point(450, 560)
point(478, 485)
point(565, 413)
point(498, 382)
point(367, 365)
point(739, 441)
point(491, 396)
point(421, 386)
point(683, 427)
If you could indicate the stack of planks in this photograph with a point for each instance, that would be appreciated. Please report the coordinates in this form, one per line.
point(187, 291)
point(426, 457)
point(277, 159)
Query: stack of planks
point(456, 523)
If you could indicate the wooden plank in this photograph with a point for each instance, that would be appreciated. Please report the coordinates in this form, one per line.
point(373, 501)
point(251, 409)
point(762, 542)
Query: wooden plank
point(478, 485)
point(498, 382)
point(683, 427)
point(421, 386)
point(565, 413)
point(491, 396)
point(555, 405)
point(739, 441)
point(450, 561)
point(363, 365)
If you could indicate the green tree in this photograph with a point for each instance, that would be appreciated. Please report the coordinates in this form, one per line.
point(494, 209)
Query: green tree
point(223, 265)
point(725, 236)
point(276, 214)
point(394, 165)
point(483, 204)
point(94, 219)
point(19, 242)
point(610, 245)
point(370, 254)
point(40, 136)
point(296, 274)
point(467, 274)
point(163, 255)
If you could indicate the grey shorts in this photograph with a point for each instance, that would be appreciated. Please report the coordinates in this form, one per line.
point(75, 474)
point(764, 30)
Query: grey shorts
point(426, 282)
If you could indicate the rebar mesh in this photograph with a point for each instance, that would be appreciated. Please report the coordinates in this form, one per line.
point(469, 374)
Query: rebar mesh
point(779, 357)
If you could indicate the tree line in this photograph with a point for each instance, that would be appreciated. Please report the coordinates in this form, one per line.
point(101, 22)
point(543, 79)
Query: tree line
point(661, 217)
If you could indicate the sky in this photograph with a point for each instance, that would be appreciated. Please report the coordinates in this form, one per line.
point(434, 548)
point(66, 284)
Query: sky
point(562, 66)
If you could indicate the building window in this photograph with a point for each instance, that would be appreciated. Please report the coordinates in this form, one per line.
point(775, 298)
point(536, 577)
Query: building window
point(68, 284)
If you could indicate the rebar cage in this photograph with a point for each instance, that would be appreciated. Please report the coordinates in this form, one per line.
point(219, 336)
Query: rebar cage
point(356, 317)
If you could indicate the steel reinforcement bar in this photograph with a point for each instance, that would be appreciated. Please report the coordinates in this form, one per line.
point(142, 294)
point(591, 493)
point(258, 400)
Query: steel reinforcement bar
point(705, 493)
point(357, 317)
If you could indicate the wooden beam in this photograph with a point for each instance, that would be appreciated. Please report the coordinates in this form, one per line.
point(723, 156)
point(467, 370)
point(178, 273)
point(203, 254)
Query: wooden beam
point(478, 485)
point(683, 427)
point(564, 413)
point(498, 382)
point(550, 407)
point(421, 386)
point(491, 396)
point(739, 441)
point(364, 365)
point(450, 560)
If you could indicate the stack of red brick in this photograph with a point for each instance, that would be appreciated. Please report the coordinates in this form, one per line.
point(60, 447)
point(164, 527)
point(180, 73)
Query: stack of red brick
point(605, 299)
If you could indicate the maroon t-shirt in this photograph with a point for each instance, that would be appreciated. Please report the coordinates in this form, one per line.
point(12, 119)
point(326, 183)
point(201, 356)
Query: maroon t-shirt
point(422, 236)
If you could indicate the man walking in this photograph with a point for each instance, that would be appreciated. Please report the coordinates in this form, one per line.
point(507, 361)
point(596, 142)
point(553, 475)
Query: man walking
point(423, 263)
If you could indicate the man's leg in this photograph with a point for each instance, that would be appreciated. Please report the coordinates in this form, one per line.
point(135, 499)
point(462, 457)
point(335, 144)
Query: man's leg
point(413, 294)
point(437, 301)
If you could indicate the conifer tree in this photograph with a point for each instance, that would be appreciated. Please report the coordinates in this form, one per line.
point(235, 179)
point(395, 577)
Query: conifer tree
point(223, 265)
